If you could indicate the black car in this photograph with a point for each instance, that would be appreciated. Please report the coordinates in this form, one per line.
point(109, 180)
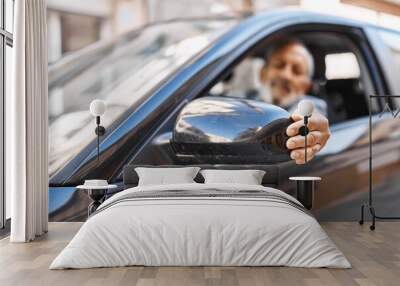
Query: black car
point(149, 75)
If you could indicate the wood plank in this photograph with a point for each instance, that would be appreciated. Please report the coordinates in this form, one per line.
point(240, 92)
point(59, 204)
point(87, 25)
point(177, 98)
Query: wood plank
point(375, 257)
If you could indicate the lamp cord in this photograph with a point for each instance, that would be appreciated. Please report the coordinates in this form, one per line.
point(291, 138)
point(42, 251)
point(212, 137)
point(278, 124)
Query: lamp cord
point(98, 146)
point(305, 146)
point(98, 137)
point(305, 137)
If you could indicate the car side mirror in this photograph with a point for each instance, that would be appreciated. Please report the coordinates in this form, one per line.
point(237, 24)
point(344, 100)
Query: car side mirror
point(223, 130)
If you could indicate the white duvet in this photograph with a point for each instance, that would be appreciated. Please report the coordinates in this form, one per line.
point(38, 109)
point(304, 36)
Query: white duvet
point(185, 231)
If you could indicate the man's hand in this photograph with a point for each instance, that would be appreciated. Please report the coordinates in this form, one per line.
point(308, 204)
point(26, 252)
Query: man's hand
point(316, 139)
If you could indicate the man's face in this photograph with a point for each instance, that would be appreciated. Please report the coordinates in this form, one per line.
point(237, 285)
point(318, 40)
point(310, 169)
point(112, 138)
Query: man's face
point(287, 74)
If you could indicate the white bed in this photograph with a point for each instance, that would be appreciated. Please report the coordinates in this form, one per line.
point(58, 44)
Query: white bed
point(251, 225)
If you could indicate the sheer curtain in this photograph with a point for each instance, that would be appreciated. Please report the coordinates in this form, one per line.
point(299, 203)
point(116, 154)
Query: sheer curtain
point(27, 123)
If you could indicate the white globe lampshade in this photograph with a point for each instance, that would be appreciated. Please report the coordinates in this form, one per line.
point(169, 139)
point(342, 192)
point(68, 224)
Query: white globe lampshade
point(305, 107)
point(97, 107)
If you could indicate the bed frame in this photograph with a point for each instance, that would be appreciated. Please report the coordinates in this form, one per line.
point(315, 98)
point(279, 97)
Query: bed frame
point(272, 177)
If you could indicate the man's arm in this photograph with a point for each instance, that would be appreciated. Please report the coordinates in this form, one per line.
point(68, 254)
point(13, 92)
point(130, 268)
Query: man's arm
point(316, 139)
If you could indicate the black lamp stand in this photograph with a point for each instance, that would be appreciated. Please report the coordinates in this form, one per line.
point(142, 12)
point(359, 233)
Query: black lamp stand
point(100, 131)
point(303, 132)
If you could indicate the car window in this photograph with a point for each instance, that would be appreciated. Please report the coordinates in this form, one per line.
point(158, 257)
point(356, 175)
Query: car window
point(341, 66)
point(344, 90)
point(124, 73)
point(340, 79)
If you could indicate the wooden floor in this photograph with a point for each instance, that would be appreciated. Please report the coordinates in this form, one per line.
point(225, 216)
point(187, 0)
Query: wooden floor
point(375, 257)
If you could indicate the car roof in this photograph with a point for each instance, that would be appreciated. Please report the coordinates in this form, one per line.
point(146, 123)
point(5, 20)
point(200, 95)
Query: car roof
point(283, 14)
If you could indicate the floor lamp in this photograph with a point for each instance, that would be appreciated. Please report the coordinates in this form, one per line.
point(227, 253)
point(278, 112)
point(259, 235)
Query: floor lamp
point(369, 205)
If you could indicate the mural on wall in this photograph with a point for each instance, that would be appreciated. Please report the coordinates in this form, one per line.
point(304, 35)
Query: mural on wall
point(149, 76)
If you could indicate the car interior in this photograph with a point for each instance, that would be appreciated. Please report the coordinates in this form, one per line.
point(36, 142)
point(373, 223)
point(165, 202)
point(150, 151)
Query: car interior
point(340, 77)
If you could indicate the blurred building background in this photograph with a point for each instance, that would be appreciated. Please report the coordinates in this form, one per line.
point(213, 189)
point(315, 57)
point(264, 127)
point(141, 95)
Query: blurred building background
point(75, 24)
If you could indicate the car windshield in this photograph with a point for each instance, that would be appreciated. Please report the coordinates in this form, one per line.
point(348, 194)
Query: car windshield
point(121, 74)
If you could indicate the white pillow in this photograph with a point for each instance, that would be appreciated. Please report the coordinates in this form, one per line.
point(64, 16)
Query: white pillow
point(164, 176)
point(248, 177)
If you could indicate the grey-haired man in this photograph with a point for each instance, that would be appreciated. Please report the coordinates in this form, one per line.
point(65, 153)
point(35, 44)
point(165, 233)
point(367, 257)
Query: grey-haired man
point(286, 77)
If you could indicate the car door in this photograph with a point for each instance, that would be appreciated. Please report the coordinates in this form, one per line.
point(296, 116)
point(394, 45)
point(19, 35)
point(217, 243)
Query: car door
point(345, 171)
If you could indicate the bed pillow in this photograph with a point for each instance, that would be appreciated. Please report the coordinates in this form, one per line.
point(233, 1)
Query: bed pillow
point(164, 176)
point(248, 177)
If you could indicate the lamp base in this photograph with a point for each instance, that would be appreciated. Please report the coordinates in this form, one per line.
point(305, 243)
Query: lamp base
point(374, 216)
point(97, 196)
